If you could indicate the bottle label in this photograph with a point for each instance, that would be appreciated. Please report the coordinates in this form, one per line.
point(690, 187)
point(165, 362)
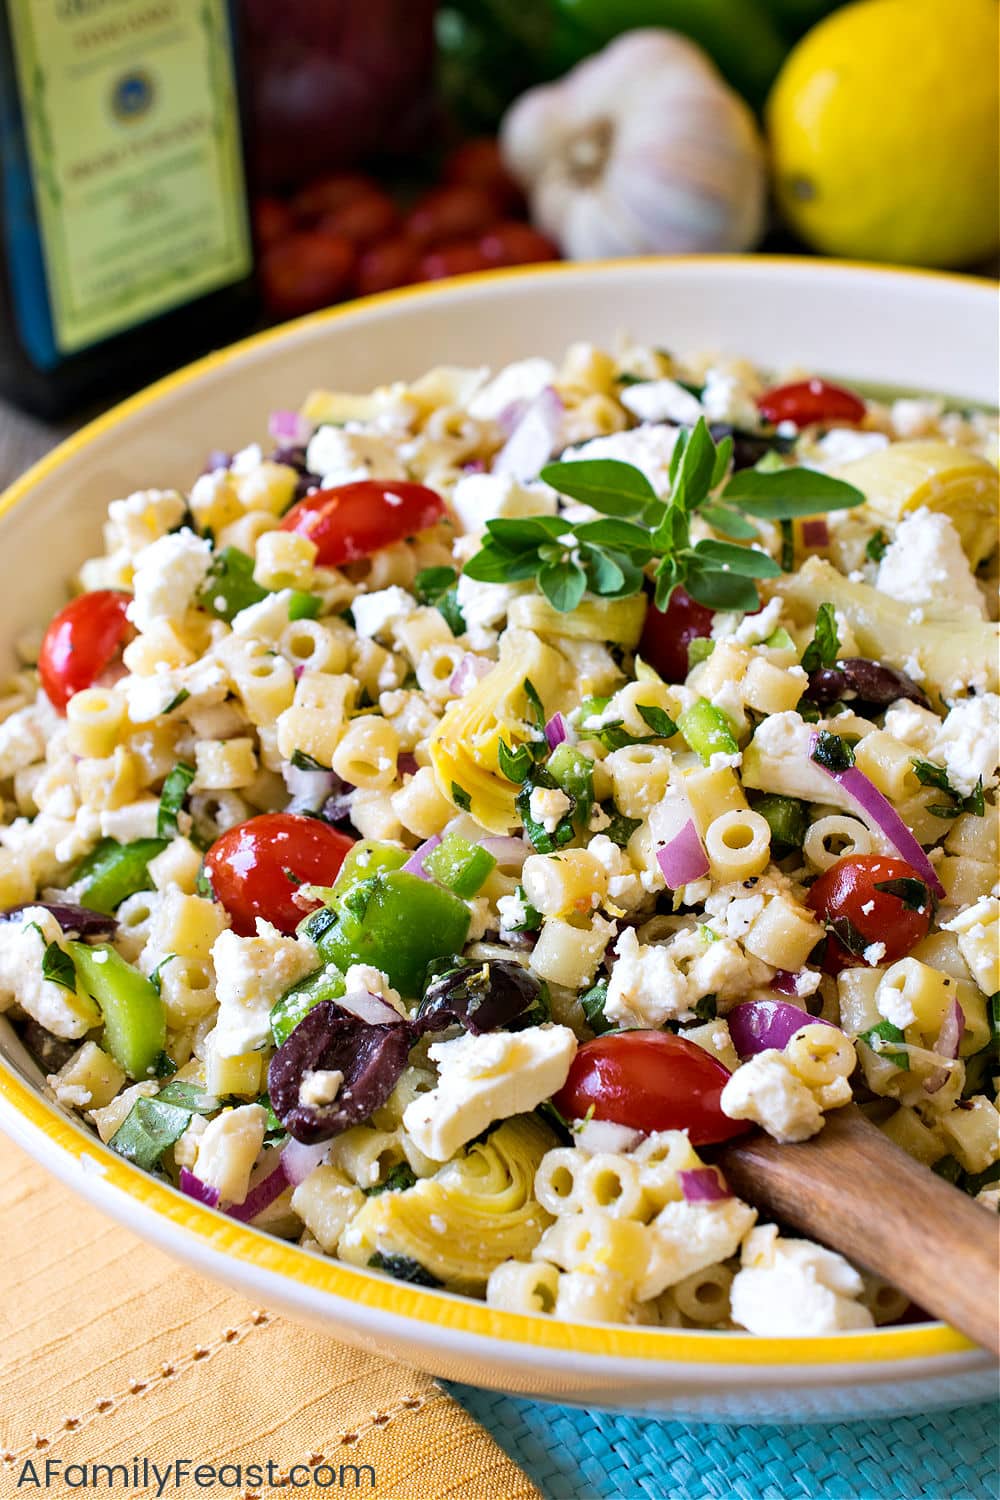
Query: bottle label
point(132, 128)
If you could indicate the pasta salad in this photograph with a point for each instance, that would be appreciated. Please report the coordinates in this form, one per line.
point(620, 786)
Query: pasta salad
point(426, 839)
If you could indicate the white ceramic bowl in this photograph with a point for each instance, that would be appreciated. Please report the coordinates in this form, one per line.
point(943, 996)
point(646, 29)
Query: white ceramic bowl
point(926, 331)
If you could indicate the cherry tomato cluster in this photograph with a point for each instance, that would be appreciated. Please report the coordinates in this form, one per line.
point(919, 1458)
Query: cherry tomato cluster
point(343, 235)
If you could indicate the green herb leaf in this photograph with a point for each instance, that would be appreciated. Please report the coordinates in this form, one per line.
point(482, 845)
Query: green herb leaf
point(746, 561)
point(784, 494)
point(543, 841)
point(727, 591)
point(824, 648)
point(403, 1269)
point(707, 1008)
point(177, 700)
point(460, 797)
point(723, 518)
point(58, 967)
point(517, 532)
point(723, 454)
point(605, 484)
point(620, 829)
point(514, 764)
point(431, 583)
point(399, 1178)
point(831, 752)
point(613, 533)
point(156, 977)
point(884, 1032)
point(303, 762)
point(875, 547)
point(150, 1127)
point(563, 584)
point(175, 789)
point(593, 1008)
point(912, 892)
point(658, 720)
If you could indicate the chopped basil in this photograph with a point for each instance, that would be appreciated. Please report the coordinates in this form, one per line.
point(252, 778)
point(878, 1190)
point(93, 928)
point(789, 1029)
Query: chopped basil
point(541, 839)
point(885, 1032)
point(303, 762)
point(929, 774)
point(621, 828)
point(156, 977)
point(658, 719)
point(403, 1269)
point(177, 700)
point(460, 797)
point(175, 789)
point(823, 649)
point(401, 1177)
point(707, 1008)
point(149, 1128)
point(832, 752)
point(514, 764)
point(912, 892)
point(593, 1003)
point(876, 545)
point(58, 967)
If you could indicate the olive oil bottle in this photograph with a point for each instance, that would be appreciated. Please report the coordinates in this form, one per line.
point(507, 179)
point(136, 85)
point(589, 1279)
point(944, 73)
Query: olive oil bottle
point(125, 244)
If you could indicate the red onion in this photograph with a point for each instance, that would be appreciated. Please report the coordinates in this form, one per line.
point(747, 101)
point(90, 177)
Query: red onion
point(470, 670)
point(474, 466)
point(556, 730)
point(415, 864)
point(200, 1191)
point(298, 1160)
point(269, 1182)
point(950, 1035)
point(370, 1008)
point(309, 789)
point(289, 427)
point(936, 1079)
point(534, 439)
point(884, 815)
point(784, 982)
point(702, 1185)
point(758, 1024)
point(510, 415)
point(815, 533)
point(684, 858)
point(508, 851)
point(406, 764)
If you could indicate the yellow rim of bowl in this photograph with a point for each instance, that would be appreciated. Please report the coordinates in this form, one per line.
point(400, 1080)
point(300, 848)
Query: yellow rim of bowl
point(278, 1257)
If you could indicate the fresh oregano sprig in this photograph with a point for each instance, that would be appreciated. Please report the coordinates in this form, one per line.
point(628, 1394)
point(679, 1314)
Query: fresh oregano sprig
point(609, 556)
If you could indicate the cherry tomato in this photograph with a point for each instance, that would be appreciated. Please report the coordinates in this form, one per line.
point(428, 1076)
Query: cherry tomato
point(257, 867)
point(809, 401)
point(478, 163)
point(366, 218)
point(305, 271)
point(325, 195)
point(848, 899)
point(450, 213)
point(511, 243)
point(352, 521)
point(649, 1080)
point(387, 264)
point(273, 220)
point(81, 643)
point(667, 633)
point(451, 260)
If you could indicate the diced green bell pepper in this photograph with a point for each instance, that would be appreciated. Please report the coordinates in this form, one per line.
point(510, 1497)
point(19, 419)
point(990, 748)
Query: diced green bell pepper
point(786, 818)
point(573, 772)
point(460, 865)
point(707, 730)
point(113, 871)
point(134, 1020)
point(397, 922)
point(229, 587)
point(326, 984)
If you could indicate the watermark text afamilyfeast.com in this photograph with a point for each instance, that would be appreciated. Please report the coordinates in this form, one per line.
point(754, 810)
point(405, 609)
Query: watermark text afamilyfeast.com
point(187, 1476)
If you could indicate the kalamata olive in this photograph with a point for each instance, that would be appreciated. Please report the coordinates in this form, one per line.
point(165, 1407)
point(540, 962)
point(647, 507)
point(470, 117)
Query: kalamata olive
point(750, 447)
point(79, 919)
point(857, 678)
point(492, 996)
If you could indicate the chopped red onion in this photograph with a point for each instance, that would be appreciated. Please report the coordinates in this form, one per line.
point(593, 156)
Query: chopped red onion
point(556, 730)
point(950, 1035)
point(510, 415)
point(936, 1079)
point(684, 858)
point(269, 1182)
point(298, 1160)
point(474, 466)
point(508, 851)
point(702, 1185)
point(200, 1191)
point(289, 427)
point(757, 1025)
point(370, 1008)
point(406, 764)
point(815, 533)
point(415, 864)
point(470, 670)
point(309, 789)
point(785, 982)
point(884, 815)
point(534, 439)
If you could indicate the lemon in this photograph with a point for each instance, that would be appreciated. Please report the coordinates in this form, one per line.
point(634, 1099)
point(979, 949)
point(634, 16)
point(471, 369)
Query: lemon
point(883, 132)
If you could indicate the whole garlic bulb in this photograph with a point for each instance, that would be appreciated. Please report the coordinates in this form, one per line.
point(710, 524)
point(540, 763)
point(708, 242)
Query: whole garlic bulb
point(640, 149)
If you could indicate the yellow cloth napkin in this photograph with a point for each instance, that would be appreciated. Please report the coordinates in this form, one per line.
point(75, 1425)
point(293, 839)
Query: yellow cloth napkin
point(111, 1353)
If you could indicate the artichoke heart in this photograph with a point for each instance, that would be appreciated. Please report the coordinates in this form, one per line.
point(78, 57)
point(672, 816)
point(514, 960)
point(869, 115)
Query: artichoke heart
point(474, 1213)
point(940, 476)
point(464, 747)
point(949, 652)
point(326, 408)
point(612, 621)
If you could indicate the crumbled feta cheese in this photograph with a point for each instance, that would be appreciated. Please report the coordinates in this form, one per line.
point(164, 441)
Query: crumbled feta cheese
point(374, 613)
point(968, 742)
point(646, 986)
point(484, 607)
point(624, 884)
point(841, 445)
point(522, 380)
point(915, 418)
point(726, 398)
point(874, 954)
point(893, 1004)
point(795, 1288)
point(766, 1090)
point(648, 448)
point(478, 498)
point(252, 974)
point(748, 630)
point(22, 742)
point(319, 1086)
point(687, 1237)
point(340, 456)
point(548, 805)
point(598, 1136)
point(486, 1078)
point(23, 941)
point(925, 561)
point(142, 518)
point(913, 725)
point(167, 575)
point(661, 401)
point(720, 761)
point(365, 979)
point(228, 1148)
point(511, 912)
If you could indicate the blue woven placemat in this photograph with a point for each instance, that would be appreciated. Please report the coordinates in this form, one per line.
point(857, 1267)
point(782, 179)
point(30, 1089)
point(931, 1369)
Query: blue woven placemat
point(584, 1455)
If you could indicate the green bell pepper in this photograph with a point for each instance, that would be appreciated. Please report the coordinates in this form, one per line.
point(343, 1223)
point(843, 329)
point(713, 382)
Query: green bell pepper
point(786, 818)
point(325, 984)
point(113, 871)
point(707, 730)
point(460, 865)
point(395, 921)
point(573, 773)
point(134, 1020)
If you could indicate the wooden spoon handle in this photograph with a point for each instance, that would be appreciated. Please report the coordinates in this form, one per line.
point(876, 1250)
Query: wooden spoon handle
point(854, 1189)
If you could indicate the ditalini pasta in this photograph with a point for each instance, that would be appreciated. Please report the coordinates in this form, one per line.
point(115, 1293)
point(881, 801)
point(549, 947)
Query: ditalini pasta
point(425, 840)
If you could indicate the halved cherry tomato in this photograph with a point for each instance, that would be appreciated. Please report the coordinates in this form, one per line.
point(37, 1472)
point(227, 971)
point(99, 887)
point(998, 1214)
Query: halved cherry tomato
point(667, 633)
point(859, 914)
point(450, 213)
point(351, 521)
point(81, 643)
point(808, 401)
point(366, 218)
point(305, 271)
point(325, 195)
point(478, 163)
point(256, 868)
point(649, 1080)
point(451, 260)
point(273, 220)
point(386, 264)
point(511, 243)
